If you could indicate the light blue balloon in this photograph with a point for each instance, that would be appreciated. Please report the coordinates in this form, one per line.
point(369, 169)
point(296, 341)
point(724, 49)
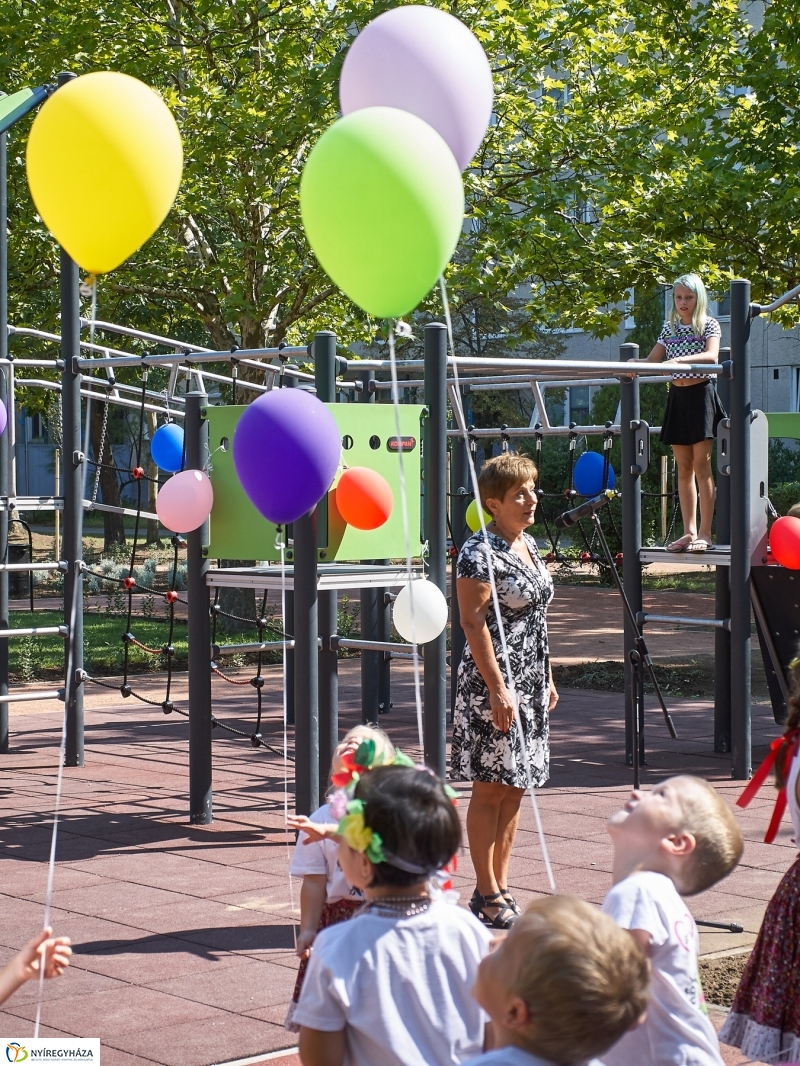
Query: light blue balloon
point(166, 447)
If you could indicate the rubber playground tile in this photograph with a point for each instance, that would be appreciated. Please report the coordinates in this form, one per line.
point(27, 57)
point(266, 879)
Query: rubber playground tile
point(117, 1011)
point(139, 960)
point(14, 1027)
point(75, 982)
point(220, 1038)
point(115, 900)
point(751, 883)
point(208, 914)
point(243, 986)
point(111, 1056)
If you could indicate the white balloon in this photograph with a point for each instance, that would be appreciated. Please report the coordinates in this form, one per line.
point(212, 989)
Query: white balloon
point(429, 612)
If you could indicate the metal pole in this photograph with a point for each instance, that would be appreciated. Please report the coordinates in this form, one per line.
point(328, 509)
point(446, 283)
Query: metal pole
point(631, 545)
point(459, 480)
point(73, 506)
point(325, 380)
point(371, 600)
point(722, 595)
point(740, 530)
point(201, 810)
point(4, 444)
point(306, 665)
point(435, 481)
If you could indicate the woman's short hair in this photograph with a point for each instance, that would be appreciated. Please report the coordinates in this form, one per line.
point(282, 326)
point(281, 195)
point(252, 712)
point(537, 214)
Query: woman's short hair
point(584, 979)
point(694, 283)
point(415, 819)
point(503, 473)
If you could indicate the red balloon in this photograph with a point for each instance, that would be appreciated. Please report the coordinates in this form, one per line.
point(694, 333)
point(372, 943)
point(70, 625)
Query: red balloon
point(784, 542)
point(364, 498)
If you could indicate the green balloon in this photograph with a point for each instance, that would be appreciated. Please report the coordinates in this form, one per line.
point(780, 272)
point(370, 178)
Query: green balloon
point(382, 203)
point(473, 521)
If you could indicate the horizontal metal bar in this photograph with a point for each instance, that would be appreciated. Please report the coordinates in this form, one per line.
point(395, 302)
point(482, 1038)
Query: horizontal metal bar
point(766, 309)
point(34, 566)
point(236, 649)
point(368, 645)
point(715, 623)
point(547, 368)
point(111, 509)
point(120, 401)
point(55, 338)
point(401, 655)
point(128, 331)
point(717, 556)
point(31, 503)
point(546, 431)
point(193, 357)
point(36, 631)
point(332, 576)
point(29, 697)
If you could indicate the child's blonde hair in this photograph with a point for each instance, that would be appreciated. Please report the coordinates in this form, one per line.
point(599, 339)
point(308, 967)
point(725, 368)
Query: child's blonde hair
point(717, 835)
point(694, 283)
point(584, 979)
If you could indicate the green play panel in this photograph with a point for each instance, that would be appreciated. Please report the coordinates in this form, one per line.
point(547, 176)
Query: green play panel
point(369, 438)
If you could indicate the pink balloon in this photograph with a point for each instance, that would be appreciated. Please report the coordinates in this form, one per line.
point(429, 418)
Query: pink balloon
point(425, 61)
point(185, 501)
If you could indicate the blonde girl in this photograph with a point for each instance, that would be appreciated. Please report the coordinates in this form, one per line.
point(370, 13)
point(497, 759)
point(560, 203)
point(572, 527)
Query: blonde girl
point(326, 896)
point(691, 336)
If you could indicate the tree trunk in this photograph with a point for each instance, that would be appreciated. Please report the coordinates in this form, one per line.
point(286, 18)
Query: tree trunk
point(241, 602)
point(113, 524)
point(153, 525)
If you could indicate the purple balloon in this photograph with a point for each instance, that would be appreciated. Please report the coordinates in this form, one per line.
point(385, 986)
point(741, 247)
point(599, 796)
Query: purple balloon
point(425, 61)
point(286, 450)
point(3, 418)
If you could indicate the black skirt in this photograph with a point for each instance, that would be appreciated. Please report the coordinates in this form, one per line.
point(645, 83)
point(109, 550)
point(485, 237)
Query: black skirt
point(693, 414)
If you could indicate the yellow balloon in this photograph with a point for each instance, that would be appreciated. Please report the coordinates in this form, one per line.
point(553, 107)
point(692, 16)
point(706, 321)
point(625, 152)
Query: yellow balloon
point(473, 521)
point(104, 164)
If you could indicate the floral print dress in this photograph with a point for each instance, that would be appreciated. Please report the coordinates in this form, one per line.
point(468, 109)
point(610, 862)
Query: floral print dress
point(480, 751)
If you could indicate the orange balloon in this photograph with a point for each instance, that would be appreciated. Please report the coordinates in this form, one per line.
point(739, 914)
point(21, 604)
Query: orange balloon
point(784, 542)
point(364, 498)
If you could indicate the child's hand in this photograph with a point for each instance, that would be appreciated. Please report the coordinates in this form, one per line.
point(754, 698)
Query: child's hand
point(315, 831)
point(56, 956)
point(305, 938)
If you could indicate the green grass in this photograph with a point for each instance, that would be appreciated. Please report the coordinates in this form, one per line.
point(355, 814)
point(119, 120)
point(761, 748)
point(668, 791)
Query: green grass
point(42, 658)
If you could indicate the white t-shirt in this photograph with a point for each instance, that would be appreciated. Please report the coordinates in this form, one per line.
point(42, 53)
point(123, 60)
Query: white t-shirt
point(322, 857)
point(515, 1056)
point(677, 1030)
point(399, 987)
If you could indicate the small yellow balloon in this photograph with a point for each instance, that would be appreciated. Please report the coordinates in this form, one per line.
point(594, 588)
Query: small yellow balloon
point(104, 164)
point(473, 521)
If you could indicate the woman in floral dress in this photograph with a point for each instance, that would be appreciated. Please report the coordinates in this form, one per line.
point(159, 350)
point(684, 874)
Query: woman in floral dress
point(486, 742)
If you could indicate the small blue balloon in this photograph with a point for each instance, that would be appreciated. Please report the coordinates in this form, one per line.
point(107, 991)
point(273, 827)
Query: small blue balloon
point(588, 475)
point(166, 447)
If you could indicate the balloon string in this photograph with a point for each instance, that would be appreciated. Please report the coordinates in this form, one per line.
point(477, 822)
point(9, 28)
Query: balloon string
point(462, 426)
point(407, 538)
point(281, 545)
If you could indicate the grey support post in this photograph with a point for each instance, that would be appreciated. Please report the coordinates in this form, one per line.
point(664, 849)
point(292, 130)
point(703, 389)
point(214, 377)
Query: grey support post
point(200, 711)
point(5, 454)
point(73, 506)
point(740, 531)
point(371, 601)
point(459, 501)
point(435, 474)
point(325, 380)
point(289, 382)
point(306, 665)
point(631, 543)
point(722, 593)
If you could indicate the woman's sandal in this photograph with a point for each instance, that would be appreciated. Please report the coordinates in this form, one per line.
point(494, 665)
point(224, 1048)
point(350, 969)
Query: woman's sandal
point(512, 903)
point(700, 545)
point(681, 544)
point(505, 916)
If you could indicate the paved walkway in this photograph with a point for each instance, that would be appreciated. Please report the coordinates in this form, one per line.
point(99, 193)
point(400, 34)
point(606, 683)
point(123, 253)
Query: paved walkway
point(184, 935)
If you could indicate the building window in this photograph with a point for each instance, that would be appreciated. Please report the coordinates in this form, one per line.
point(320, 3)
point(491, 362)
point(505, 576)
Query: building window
point(580, 404)
point(724, 306)
point(796, 388)
point(36, 427)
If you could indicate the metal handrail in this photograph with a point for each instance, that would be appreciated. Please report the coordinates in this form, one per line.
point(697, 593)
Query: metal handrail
point(767, 309)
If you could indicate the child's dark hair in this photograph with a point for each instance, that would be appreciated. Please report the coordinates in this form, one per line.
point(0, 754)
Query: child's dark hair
point(792, 722)
point(416, 821)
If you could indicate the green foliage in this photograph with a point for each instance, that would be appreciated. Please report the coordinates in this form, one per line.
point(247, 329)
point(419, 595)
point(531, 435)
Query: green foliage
point(785, 495)
point(784, 463)
point(630, 141)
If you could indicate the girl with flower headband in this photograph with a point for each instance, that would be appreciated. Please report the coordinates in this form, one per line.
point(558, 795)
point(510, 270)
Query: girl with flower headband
point(392, 985)
point(765, 1016)
point(327, 897)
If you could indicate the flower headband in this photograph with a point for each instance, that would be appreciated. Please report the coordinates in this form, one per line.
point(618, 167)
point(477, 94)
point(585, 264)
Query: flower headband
point(360, 837)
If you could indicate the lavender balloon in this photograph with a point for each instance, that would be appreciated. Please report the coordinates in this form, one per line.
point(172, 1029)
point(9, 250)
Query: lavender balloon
point(425, 61)
point(286, 449)
point(3, 418)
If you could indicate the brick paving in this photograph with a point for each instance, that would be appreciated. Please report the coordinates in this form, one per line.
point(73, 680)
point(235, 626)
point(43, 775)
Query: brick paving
point(184, 935)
